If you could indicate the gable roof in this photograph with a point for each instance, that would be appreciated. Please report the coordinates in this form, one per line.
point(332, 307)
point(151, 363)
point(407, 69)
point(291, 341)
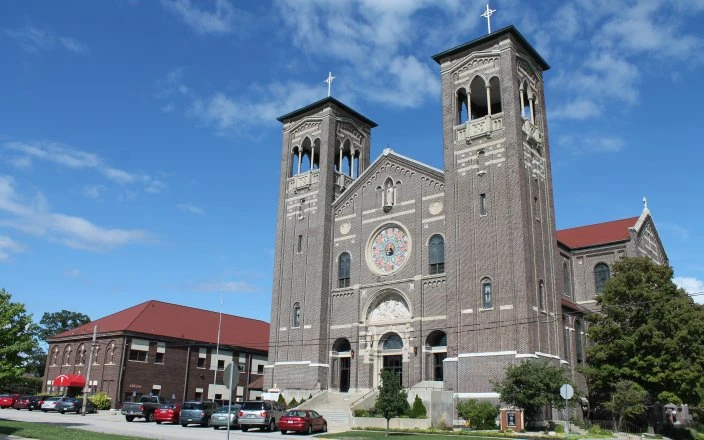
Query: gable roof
point(597, 234)
point(181, 322)
point(495, 35)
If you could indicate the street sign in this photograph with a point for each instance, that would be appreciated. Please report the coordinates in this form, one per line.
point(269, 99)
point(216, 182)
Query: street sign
point(227, 375)
point(566, 391)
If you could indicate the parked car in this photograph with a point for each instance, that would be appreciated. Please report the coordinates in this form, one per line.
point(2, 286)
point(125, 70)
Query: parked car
point(21, 402)
point(35, 402)
point(167, 412)
point(263, 414)
point(197, 411)
point(144, 408)
point(7, 400)
point(302, 420)
point(221, 418)
point(73, 404)
point(50, 404)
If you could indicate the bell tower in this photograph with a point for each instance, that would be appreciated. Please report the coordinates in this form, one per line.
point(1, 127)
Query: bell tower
point(500, 218)
point(326, 146)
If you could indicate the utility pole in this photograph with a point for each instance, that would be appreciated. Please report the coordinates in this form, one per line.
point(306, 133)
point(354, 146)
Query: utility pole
point(90, 365)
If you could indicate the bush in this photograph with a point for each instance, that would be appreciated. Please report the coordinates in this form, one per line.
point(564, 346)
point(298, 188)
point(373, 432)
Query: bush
point(478, 415)
point(371, 412)
point(293, 403)
point(598, 431)
point(418, 410)
point(281, 400)
point(559, 429)
point(101, 400)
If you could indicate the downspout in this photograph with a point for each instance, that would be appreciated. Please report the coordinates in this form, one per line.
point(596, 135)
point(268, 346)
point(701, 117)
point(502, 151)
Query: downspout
point(123, 366)
point(185, 376)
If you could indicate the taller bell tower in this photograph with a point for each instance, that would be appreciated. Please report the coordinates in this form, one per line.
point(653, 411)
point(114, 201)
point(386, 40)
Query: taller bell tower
point(500, 220)
point(325, 148)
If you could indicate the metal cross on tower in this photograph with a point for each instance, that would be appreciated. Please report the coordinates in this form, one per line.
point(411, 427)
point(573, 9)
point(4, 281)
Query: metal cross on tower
point(329, 81)
point(487, 15)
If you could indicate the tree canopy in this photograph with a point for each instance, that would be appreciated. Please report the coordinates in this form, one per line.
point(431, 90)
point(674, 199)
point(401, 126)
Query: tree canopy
point(58, 322)
point(393, 400)
point(627, 400)
point(16, 337)
point(649, 332)
point(531, 385)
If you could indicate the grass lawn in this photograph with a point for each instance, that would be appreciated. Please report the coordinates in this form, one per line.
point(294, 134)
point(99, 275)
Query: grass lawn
point(51, 432)
point(379, 435)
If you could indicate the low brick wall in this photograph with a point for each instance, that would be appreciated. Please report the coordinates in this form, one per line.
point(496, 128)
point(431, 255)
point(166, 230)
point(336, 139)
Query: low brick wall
point(378, 422)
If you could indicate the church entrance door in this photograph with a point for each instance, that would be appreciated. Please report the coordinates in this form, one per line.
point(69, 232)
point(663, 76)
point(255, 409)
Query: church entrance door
point(393, 364)
point(344, 375)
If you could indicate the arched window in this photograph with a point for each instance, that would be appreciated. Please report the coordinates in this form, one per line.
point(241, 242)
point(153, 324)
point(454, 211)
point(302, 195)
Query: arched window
point(495, 96)
point(567, 278)
point(81, 357)
point(54, 355)
point(486, 293)
point(601, 275)
point(436, 254)
point(110, 353)
point(67, 356)
point(579, 342)
point(541, 294)
point(296, 315)
point(462, 109)
point(566, 335)
point(343, 271)
point(478, 104)
point(392, 342)
point(526, 110)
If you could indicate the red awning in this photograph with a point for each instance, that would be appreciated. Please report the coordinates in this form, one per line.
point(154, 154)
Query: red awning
point(70, 380)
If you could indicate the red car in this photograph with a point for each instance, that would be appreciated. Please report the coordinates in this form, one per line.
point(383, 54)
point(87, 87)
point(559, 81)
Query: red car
point(302, 420)
point(21, 402)
point(7, 400)
point(167, 412)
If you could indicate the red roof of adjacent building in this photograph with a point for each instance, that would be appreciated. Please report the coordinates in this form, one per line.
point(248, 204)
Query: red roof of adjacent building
point(176, 321)
point(600, 233)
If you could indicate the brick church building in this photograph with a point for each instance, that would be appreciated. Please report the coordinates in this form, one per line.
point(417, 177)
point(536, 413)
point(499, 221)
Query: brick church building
point(444, 276)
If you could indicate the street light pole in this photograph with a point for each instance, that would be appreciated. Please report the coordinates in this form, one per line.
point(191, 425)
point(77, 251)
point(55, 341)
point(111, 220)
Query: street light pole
point(90, 364)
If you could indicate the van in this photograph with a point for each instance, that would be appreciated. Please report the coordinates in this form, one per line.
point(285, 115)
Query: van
point(262, 414)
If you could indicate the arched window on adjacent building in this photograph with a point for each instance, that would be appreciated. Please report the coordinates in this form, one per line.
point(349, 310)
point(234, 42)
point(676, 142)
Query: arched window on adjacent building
point(541, 294)
point(343, 271)
point(54, 355)
point(566, 336)
point(67, 356)
point(567, 278)
point(579, 341)
point(296, 316)
point(486, 293)
point(601, 275)
point(81, 355)
point(436, 254)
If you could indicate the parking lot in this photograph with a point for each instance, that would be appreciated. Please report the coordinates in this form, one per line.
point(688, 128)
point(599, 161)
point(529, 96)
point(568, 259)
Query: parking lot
point(113, 423)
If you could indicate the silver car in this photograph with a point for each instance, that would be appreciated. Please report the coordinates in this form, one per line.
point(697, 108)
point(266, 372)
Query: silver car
point(50, 404)
point(263, 414)
point(220, 418)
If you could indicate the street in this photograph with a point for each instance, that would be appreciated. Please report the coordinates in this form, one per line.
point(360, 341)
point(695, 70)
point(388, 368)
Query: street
point(114, 423)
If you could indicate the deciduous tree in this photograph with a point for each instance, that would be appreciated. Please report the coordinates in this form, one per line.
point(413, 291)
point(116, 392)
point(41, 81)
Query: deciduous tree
point(649, 332)
point(627, 400)
point(58, 322)
point(16, 337)
point(393, 400)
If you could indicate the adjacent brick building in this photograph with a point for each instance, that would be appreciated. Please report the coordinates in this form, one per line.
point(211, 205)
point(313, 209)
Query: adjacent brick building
point(444, 276)
point(161, 348)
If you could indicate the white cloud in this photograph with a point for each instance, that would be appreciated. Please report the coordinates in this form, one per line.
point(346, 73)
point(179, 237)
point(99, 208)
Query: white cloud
point(187, 207)
point(591, 144)
point(33, 40)
point(72, 158)
point(22, 162)
point(8, 245)
point(93, 191)
point(220, 20)
point(73, 273)
point(36, 218)
point(693, 286)
point(579, 109)
point(225, 286)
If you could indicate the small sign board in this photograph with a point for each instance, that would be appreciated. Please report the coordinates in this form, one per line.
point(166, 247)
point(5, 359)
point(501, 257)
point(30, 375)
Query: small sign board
point(566, 391)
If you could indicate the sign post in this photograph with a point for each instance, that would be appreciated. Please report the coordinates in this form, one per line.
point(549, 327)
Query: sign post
point(227, 376)
point(566, 391)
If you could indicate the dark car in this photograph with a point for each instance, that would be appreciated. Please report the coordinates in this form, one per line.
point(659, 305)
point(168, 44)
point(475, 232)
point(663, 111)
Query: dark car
point(167, 412)
point(73, 404)
point(35, 402)
point(21, 402)
point(198, 412)
point(220, 418)
point(7, 400)
point(302, 420)
point(263, 414)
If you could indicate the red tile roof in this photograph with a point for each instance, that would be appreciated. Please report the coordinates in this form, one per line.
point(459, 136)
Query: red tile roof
point(600, 233)
point(176, 321)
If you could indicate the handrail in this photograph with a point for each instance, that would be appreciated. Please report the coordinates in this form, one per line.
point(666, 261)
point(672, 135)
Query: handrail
point(373, 390)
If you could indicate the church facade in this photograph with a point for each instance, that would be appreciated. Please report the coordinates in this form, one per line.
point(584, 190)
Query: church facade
point(443, 276)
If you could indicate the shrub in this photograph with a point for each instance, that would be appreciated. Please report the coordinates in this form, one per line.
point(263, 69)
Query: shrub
point(598, 431)
point(101, 400)
point(479, 415)
point(559, 429)
point(418, 410)
point(281, 400)
point(293, 403)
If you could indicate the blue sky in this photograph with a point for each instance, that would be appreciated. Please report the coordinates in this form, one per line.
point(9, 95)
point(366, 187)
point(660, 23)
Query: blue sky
point(139, 147)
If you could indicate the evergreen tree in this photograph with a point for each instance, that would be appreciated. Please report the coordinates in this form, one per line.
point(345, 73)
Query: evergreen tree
point(649, 332)
point(393, 400)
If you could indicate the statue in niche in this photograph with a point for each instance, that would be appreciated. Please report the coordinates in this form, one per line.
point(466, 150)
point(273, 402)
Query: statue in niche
point(389, 195)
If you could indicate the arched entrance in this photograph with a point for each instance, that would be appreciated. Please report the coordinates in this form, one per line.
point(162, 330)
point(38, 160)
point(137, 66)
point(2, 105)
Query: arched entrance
point(391, 349)
point(341, 364)
point(436, 347)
